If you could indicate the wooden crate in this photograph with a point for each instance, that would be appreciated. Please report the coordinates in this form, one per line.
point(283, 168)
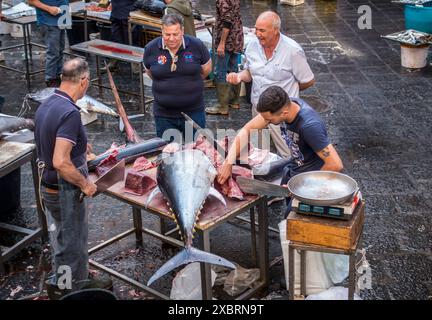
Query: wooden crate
point(340, 234)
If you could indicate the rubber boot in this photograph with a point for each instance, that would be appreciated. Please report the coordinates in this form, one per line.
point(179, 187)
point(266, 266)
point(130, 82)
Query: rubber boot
point(235, 96)
point(223, 94)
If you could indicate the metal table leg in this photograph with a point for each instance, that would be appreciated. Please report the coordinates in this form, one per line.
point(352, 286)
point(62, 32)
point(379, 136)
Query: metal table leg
point(263, 241)
point(99, 80)
point(142, 95)
point(27, 26)
point(352, 275)
point(206, 285)
point(303, 273)
point(137, 220)
point(253, 236)
point(291, 272)
point(27, 75)
point(2, 267)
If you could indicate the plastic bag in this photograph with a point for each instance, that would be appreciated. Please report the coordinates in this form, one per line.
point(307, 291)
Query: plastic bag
point(317, 279)
point(240, 279)
point(334, 293)
point(337, 266)
point(187, 283)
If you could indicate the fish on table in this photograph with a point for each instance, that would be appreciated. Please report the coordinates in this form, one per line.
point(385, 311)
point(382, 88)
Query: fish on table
point(185, 179)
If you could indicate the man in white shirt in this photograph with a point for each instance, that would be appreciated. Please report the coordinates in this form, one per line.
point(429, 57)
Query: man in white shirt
point(274, 59)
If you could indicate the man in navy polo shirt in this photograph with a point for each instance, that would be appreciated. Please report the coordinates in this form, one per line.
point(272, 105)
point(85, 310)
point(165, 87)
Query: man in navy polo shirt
point(61, 143)
point(177, 63)
point(52, 21)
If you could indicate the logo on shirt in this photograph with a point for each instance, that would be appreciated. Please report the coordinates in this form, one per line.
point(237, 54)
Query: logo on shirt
point(162, 59)
point(292, 139)
point(188, 57)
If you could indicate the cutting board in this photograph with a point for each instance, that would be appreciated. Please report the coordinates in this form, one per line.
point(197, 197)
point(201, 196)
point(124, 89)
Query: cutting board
point(11, 151)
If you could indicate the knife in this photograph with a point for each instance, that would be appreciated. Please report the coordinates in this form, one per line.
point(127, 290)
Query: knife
point(108, 179)
point(216, 144)
point(221, 150)
point(260, 187)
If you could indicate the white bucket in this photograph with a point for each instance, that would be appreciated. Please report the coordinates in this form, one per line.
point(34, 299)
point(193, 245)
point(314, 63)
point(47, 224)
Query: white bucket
point(292, 2)
point(414, 57)
point(5, 28)
point(17, 30)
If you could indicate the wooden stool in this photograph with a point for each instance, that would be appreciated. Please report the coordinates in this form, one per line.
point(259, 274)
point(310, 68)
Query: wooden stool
point(311, 233)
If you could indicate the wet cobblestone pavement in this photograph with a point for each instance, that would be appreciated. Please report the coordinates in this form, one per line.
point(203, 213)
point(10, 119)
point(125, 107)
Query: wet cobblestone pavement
point(378, 115)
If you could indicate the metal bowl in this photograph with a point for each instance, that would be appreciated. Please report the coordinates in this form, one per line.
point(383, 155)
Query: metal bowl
point(322, 187)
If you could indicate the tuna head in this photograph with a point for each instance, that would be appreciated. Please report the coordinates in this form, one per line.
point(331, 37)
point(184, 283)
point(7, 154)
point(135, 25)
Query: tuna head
point(185, 179)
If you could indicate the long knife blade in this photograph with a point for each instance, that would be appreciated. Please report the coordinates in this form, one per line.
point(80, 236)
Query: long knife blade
point(216, 144)
point(108, 179)
point(262, 188)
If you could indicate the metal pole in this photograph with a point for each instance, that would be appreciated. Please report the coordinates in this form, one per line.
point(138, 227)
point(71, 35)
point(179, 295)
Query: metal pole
point(137, 221)
point(206, 286)
point(263, 240)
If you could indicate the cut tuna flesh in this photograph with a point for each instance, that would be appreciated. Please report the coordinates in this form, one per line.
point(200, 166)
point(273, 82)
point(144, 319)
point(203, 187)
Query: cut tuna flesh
point(139, 183)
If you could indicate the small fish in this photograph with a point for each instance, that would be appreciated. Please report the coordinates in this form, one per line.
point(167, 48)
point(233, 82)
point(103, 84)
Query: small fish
point(185, 179)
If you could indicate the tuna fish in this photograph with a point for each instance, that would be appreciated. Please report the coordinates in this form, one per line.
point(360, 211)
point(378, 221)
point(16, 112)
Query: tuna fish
point(131, 152)
point(185, 180)
point(12, 124)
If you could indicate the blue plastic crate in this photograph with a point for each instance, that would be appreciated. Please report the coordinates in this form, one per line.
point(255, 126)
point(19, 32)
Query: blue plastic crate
point(419, 18)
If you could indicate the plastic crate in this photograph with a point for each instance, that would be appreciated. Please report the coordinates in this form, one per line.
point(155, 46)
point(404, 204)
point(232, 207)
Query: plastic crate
point(150, 35)
point(419, 18)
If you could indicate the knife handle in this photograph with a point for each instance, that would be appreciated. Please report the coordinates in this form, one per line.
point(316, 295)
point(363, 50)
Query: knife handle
point(81, 197)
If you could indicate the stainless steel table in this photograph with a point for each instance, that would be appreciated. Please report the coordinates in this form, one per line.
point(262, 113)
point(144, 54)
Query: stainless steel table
point(15, 159)
point(24, 22)
point(113, 50)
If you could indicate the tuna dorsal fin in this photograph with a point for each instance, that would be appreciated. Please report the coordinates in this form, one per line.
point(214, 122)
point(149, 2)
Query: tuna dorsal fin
point(186, 256)
point(152, 195)
point(213, 192)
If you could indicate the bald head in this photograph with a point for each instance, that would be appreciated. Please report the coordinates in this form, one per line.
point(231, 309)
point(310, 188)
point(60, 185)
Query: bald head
point(270, 18)
point(74, 70)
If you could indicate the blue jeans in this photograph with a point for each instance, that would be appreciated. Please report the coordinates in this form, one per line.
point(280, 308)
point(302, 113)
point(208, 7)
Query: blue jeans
point(224, 65)
point(55, 42)
point(164, 123)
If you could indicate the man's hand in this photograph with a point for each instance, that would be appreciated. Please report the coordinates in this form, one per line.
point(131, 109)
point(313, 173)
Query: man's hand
point(224, 173)
point(233, 78)
point(89, 189)
point(221, 49)
point(54, 10)
point(89, 148)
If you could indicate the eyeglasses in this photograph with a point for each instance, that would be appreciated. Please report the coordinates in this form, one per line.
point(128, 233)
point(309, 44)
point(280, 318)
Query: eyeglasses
point(173, 63)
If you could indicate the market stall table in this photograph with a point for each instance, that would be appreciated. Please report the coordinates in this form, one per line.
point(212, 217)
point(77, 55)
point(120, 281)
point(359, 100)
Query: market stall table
point(113, 50)
point(28, 45)
point(12, 156)
point(213, 214)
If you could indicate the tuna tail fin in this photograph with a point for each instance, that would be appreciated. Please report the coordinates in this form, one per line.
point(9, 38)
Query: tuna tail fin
point(186, 256)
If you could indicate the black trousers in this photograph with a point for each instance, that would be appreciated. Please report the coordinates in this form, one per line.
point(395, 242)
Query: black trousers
point(119, 32)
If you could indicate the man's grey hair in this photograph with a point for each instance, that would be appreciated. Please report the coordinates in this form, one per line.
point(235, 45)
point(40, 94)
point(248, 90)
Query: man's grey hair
point(276, 21)
point(172, 19)
point(74, 70)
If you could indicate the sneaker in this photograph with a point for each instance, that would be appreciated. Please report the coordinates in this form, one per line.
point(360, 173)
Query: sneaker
point(216, 110)
point(275, 199)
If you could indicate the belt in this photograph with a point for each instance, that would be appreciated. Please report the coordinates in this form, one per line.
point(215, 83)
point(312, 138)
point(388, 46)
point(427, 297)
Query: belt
point(49, 190)
point(49, 185)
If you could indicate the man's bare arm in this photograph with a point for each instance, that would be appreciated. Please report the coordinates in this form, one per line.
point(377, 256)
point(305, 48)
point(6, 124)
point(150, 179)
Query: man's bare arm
point(303, 86)
point(332, 161)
